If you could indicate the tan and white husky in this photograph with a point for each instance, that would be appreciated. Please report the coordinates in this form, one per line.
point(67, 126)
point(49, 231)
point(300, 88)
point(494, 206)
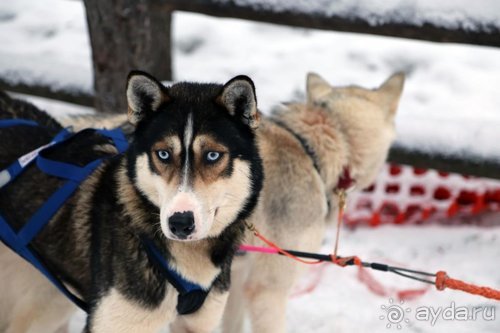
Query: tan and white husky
point(306, 149)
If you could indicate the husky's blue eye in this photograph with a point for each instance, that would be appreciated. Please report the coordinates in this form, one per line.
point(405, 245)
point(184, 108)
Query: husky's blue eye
point(163, 155)
point(213, 156)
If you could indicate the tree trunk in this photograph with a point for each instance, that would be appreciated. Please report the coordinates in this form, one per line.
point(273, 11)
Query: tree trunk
point(126, 35)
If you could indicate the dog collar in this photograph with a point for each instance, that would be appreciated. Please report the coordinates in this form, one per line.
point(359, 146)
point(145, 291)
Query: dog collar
point(191, 295)
point(303, 142)
point(344, 183)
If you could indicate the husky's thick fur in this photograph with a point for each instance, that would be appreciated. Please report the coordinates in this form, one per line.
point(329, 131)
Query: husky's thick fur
point(305, 149)
point(191, 174)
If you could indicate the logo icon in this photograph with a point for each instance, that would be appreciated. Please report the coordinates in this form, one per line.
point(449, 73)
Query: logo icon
point(395, 314)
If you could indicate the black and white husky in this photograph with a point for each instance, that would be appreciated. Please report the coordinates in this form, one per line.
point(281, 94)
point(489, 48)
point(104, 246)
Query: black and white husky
point(191, 175)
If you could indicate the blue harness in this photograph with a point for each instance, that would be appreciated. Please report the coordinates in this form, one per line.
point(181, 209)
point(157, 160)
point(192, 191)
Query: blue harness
point(191, 296)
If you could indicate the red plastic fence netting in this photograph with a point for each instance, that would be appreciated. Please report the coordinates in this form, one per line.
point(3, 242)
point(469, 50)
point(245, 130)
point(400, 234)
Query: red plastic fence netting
point(404, 194)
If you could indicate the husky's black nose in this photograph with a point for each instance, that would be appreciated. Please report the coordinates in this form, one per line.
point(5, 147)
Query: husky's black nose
point(181, 224)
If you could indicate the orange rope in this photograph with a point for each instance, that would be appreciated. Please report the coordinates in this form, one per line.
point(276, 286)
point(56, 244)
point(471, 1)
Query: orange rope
point(443, 281)
point(340, 216)
point(342, 262)
point(339, 261)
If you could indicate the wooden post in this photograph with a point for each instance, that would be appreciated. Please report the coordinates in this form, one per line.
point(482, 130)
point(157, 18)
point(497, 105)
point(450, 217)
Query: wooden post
point(126, 35)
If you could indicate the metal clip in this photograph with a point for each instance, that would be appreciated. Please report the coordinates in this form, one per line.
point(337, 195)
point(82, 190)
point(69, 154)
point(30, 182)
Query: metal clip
point(342, 198)
point(250, 227)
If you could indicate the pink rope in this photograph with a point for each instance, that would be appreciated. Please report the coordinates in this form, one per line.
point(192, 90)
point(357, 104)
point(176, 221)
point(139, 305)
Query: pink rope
point(261, 249)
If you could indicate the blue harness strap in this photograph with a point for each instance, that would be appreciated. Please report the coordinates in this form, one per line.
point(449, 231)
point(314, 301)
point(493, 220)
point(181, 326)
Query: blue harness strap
point(17, 122)
point(191, 296)
point(9, 237)
point(15, 169)
point(74, 175)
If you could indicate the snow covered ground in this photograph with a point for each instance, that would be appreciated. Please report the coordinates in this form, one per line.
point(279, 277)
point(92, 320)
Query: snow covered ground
point(342, 304)
point(451, 105)
point(45, 42)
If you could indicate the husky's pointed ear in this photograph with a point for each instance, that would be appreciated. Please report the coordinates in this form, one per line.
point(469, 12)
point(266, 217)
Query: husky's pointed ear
point(238, 97)
point(144, 94)
point(390, 91)
point(316, 87)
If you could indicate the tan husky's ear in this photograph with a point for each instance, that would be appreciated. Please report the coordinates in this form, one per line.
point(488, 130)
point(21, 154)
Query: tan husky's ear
point(316, 87)
point(144, 95)
point(239, 98)
point(390, 91)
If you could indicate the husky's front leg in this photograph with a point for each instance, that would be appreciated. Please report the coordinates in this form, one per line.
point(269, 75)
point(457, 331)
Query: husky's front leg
point(234, 314)
point(115, 313)
point(206, 319)
point(272, 277)
point(266, 290)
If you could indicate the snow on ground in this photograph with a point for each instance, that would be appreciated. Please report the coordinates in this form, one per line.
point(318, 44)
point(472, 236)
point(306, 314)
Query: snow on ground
point(450, 105)
point(45, 42)
point(342, 304)
point(58, 109)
